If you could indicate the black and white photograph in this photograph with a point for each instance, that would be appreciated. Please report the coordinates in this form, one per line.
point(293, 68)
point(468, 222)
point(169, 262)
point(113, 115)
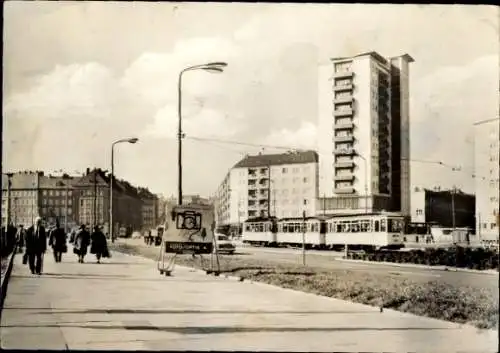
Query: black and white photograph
point(245, 176)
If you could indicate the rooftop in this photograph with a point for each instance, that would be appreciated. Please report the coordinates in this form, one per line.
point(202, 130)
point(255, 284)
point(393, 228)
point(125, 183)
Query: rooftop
point(374, 55)
point(54, 182)
point(264, 160)
point(20, 180)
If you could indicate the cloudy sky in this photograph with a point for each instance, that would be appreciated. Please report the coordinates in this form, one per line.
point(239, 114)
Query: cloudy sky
point(78, 75)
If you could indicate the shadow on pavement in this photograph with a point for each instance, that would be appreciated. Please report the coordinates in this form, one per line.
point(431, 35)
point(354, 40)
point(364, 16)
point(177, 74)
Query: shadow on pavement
point(120, 278)
point(187, 311)
point(196, 330)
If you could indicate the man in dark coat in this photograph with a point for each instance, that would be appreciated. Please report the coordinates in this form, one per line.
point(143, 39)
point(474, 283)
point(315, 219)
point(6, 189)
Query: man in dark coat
point(99, 247)
point(57, 239)
point(82, 242)
point(36, 245)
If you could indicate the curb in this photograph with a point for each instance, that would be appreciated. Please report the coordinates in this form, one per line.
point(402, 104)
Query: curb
point(221, 275)
point(5, 281)
point(437, 268)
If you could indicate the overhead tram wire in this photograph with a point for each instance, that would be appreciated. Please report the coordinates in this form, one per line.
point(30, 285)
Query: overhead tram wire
point(244, 143)
point(455, 168)
point(241, 153)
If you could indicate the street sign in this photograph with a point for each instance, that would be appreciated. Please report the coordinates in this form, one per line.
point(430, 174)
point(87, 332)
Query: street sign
point(190, 229)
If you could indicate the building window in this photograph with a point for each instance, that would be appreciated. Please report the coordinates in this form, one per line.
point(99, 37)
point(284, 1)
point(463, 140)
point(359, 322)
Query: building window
point(44, 192)
point(493, 225)
point(419, 212)
point(284, 170)
point(343, 67)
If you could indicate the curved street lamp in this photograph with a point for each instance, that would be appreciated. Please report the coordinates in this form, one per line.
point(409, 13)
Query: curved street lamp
point(125, 140)
point(213, 67)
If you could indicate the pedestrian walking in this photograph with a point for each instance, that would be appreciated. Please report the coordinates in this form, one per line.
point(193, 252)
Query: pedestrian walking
point(72, 236)
point(82, 242)
point(57, 239)
point(99, 246)
point(36, 245)
point(20, 238)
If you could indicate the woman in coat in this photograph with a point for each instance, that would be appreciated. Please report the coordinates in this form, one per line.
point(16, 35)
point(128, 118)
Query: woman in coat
point(99, 247)
point(82, 242)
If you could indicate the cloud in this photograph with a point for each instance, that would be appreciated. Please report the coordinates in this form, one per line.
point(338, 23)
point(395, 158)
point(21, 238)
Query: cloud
point(444, 106)
point(304, 137)
point(200, 122)
point(153, 76)
point(84, 107)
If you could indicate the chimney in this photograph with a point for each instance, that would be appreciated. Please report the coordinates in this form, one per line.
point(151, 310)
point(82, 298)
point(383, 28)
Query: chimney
point(87, 172)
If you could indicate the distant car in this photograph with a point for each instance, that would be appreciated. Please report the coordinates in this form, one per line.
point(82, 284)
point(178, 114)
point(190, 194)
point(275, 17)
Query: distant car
point(224, 245)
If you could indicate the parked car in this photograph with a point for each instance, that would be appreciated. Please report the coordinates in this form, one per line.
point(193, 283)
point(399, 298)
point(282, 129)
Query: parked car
point(224, 244)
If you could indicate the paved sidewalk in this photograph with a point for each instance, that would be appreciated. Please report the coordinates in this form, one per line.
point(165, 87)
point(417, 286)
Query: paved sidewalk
point(125, 304)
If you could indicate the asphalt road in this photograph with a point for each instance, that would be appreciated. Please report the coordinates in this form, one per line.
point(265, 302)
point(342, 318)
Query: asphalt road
point(331, 260)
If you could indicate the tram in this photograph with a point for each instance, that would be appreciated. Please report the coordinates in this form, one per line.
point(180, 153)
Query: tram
point(365, 231)
point(294, 231)
point(260, 231)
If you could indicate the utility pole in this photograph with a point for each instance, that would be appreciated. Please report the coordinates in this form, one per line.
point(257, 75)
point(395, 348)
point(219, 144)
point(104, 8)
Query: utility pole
point(33, 206)
point(269, 191)
point(66, 211)
point(304, 237)
point(95, 199)
point(9, 186)
point(453, 208)
point(324, 205)
point(274, 202)
point(479, 227)
point(15, 211)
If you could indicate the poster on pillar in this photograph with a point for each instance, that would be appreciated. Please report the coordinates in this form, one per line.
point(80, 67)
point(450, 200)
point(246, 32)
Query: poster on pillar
point(190, 229)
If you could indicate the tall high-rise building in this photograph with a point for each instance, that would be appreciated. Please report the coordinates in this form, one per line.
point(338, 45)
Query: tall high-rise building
point(487, 180)
point(364, 133)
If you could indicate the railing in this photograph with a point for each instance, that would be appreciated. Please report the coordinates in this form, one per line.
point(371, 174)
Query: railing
point(7, 241)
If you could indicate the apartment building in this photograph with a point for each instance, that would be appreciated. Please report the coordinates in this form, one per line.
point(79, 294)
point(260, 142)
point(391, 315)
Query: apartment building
point(92, 191)
point(279, 185)
point(36, 194)
point(75, 200)
point(363, 142)
point(487, 178)
point(149, 208)
point(446, 208)
point(58, 200)
point(24, 197)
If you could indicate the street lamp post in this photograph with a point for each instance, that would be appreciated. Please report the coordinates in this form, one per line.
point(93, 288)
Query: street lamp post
point(9, 186)
point(128, 140)
point(210, 67)
point(304, 236)
point(66, 209)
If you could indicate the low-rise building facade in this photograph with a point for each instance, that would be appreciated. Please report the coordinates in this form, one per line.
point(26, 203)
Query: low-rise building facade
point(268, 185)
point(446, 208)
